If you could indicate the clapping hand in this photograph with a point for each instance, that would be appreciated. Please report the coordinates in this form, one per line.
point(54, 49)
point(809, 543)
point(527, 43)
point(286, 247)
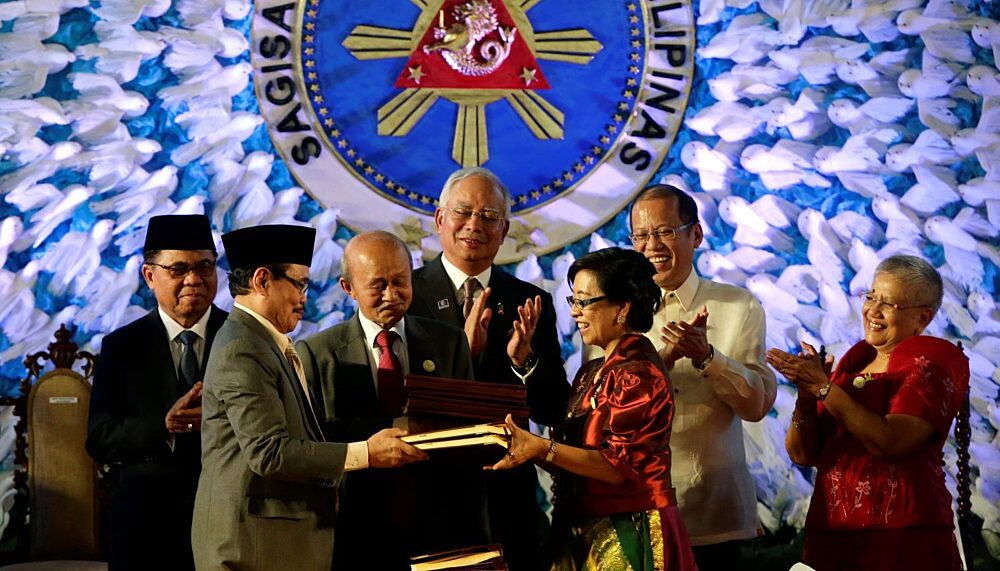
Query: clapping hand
point(686, 339)
point(519, 347)
point(805, 370)
point(477, 324)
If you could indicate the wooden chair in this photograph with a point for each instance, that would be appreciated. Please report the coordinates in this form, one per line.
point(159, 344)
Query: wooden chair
point(61, 490)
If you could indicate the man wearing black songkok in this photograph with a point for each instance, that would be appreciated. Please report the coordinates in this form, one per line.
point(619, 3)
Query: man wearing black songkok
point(268, 489)
point(145, 408)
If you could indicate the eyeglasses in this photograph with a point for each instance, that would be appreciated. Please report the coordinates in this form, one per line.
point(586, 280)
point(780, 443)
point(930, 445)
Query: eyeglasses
point(487, 216)
point(868, 300)
point(662, 233)
point(204, 269)
point(299, 285)
point(584, 303)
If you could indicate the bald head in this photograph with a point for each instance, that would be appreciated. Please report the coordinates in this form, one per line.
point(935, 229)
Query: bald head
point(375, 271)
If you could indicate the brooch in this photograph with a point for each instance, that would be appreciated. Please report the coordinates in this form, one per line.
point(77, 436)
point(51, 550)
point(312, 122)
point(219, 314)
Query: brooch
point(861, 380)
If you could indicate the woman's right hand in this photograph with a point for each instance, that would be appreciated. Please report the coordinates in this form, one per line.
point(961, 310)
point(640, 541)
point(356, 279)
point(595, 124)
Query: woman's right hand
point(524, 446)
point(805, 370)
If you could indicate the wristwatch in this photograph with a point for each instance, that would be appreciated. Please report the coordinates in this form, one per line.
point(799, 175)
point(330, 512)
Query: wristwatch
point(702, 365)
point(823, 391)
point(529, 363)
point(552, 451)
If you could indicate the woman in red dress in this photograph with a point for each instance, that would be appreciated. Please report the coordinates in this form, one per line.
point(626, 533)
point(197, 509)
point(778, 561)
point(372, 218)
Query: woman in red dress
point(614, 502)
point(875, 432)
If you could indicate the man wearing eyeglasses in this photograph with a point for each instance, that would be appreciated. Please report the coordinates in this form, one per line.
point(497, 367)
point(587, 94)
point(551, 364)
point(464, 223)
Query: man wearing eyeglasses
point(711, 337)
point(145, 408)
point(267, 496)
point(511, 329)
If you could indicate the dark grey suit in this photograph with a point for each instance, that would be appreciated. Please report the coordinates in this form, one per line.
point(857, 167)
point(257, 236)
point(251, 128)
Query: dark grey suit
point(267, 494)
point(516, 521)
point(421, 508)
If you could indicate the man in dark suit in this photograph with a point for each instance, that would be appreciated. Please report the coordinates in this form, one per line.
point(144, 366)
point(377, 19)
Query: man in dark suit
point(145, 409)
point(386, 517)
point(511, 327)
point(267, 493)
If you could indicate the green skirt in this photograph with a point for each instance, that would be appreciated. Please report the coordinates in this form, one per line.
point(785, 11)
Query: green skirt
point(655, 540)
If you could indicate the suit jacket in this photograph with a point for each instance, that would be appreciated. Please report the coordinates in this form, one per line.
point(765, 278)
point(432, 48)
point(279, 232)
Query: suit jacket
point(421, 508)
point(267, 494)
point(135, 384)
point(548, 389)
point(516, 521)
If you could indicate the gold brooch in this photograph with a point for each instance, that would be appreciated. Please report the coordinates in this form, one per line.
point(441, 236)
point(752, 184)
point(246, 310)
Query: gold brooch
point(861, 380)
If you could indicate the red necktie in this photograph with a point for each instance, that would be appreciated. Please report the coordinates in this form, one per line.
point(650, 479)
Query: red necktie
point(390, 375)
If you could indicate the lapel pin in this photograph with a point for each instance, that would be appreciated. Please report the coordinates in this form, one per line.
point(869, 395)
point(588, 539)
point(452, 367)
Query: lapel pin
point(499, 308)
point(429, 366)
point(443, 303)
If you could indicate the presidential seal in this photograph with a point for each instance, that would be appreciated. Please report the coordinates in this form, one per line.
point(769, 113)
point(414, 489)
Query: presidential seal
point(373, 104)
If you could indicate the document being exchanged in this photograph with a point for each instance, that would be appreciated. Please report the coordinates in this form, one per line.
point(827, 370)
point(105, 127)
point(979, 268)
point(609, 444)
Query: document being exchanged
point(475, 435)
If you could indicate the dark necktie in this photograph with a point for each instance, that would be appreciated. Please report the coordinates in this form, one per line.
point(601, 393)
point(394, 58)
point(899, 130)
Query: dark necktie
point(390, 375)
point(469, 288)
point(189, 360)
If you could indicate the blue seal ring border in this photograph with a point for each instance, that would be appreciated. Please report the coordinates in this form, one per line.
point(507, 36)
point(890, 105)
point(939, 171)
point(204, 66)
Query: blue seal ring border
point(345, 108)
point(619, 121)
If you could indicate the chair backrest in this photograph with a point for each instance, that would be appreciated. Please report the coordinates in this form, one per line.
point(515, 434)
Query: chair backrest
point(62, 478)
point(51, 431)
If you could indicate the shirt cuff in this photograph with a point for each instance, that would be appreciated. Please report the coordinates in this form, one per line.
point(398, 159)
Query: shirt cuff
point(357, 456)
point(524, 377)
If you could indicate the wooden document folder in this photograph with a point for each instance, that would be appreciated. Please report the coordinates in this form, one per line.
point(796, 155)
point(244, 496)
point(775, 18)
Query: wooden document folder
point(465, 401)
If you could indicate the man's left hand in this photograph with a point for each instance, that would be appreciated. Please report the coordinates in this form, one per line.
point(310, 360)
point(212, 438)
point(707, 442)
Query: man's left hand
point(519, 347)
point(185, 414)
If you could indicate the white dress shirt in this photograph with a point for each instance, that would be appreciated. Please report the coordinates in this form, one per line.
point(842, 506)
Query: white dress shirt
point(715, 493)
point(357, 452)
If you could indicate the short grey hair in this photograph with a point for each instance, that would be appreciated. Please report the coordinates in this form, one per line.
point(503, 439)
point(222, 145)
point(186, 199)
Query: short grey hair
point(377, 236)
point(498, 186)
point(919, 276)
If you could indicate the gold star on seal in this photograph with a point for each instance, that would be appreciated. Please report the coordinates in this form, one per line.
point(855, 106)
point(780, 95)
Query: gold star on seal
point(416, 74)
point(528, 75)
point(412, 232)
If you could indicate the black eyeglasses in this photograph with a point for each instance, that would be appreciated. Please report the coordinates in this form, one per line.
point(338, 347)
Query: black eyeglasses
point(299, 285)
point(584, 303)
point(204, 269)
point(868, 300)
point(488, 216)
point(662, 233)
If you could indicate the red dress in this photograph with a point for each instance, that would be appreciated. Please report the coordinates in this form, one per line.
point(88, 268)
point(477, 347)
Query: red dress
point(622, 405)
point(873, 513)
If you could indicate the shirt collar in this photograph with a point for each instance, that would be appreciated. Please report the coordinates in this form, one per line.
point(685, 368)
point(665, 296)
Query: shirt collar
point(282, 340)
point(458, 277)
point(372, 329)
point(174, 329)
point(685, 294)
